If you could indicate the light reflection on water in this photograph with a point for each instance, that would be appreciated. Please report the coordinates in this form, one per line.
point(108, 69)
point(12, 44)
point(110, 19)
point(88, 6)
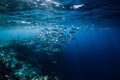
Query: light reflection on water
point(11, 34)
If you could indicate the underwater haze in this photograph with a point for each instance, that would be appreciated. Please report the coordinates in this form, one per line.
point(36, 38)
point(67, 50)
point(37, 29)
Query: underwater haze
point(59, 40)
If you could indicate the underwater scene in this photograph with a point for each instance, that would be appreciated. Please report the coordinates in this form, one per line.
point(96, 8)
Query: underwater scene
point(59, 39)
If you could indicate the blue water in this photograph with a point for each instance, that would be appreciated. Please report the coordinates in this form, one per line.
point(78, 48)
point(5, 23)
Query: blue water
point(94, 54)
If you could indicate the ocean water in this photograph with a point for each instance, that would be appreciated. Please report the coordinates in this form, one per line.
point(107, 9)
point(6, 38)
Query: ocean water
point(59, 40)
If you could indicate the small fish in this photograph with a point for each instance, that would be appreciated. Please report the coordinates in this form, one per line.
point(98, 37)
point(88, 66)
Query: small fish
point(54, 29)
point(63, 27)
point(73, 38)
point(75, 28)
point(46, 29)
point(71, 32)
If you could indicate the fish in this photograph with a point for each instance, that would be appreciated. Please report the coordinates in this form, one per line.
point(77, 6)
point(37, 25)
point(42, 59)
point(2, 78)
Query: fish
point(75, 28)
point(72, 32)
